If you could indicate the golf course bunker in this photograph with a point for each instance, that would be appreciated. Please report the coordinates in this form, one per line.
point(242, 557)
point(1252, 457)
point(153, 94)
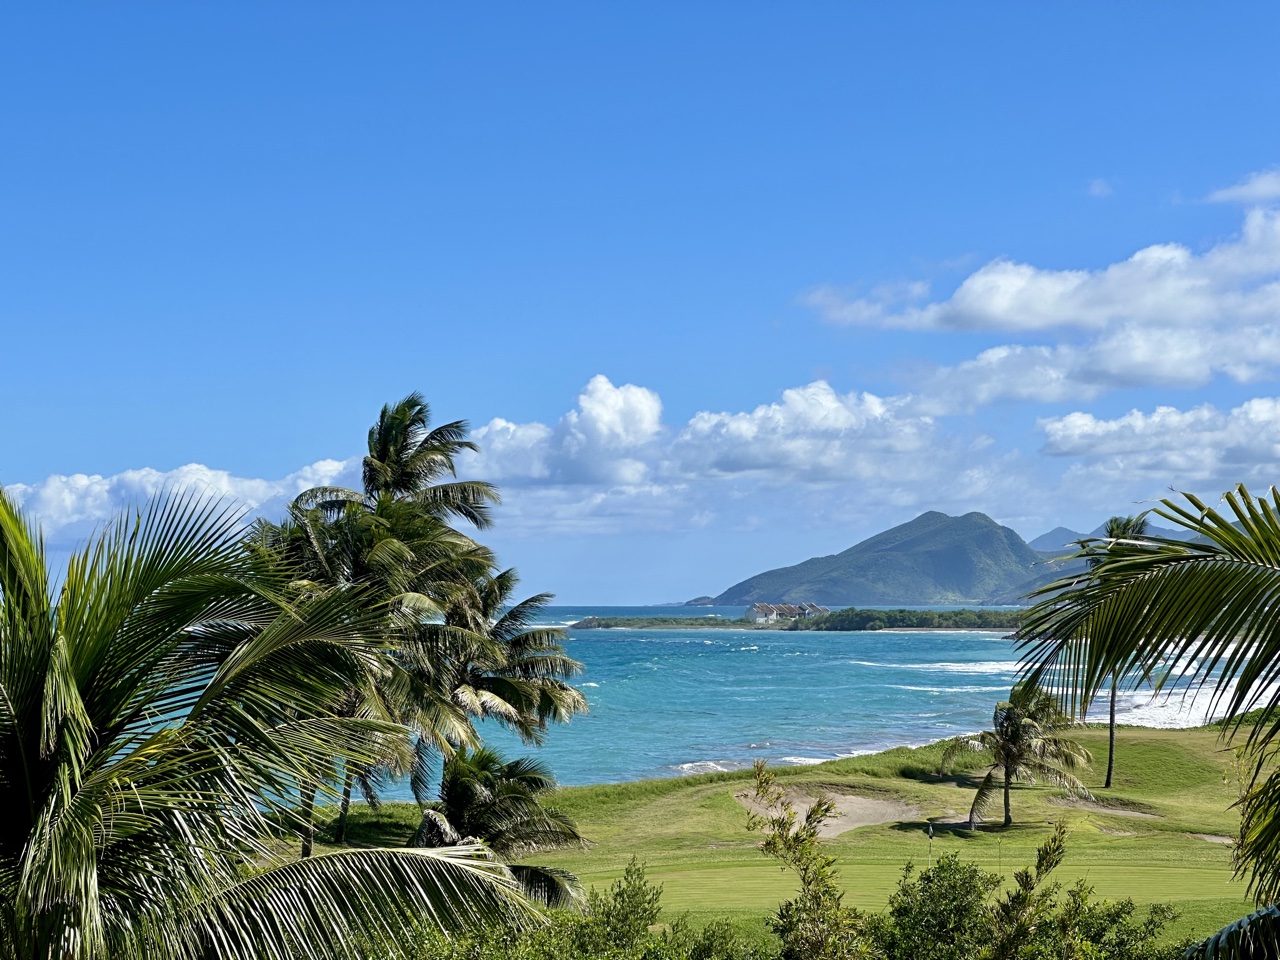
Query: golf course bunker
point(1213, 838)
point(852, 811)
point(1100, 808)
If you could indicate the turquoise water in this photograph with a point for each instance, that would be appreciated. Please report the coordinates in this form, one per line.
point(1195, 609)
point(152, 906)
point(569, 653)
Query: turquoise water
point(671, 702)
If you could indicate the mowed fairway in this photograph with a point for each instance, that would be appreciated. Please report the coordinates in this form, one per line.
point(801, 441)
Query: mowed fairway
point(1145, 838)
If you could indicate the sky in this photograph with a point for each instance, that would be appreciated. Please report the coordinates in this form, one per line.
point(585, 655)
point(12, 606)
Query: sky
point(718, 286)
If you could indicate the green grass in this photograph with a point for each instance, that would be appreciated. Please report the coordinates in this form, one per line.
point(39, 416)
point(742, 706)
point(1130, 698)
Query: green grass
point(691, 832)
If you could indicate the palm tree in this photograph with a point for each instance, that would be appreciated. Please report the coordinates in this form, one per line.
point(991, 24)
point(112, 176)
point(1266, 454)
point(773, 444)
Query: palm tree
point(1025, 746)
point(484, 797)
point(502, 666)
point(1117, 530)
point(161, 704)
point(1201, 611)
point(393, 538)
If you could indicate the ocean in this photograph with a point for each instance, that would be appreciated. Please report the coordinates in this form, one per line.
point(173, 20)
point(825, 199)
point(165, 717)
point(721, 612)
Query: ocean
point(680, 701)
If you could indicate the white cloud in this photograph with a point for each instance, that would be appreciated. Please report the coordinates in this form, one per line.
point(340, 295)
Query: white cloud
point(1128, 355)
point(1257, 188)
point(607, 438)
point(610, 463)
point(1099, 188)
point(1166, 284)
point(1165, 316)
point(1203, 448)
point(812, 434)
point(69, 507)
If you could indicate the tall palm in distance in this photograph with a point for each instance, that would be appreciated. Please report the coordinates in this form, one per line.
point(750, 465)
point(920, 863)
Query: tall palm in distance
point(1118, 530)
point(1026, 745)
point(159, 702)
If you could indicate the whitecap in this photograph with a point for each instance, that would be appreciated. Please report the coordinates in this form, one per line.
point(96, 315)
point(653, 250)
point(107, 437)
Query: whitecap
point(707, 766)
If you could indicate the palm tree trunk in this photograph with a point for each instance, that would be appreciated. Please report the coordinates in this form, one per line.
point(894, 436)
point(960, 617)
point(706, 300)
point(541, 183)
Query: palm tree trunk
point(308, 816)
point(1008, 810)
point(1111, 735)
point(340, 834)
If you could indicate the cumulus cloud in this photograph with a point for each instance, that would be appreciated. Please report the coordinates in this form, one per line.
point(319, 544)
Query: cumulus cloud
point(813, 434)
point(611, 463)
point(609, 437)
point(1165, 284)
point(1257, 188)
point(1165, 316)
point(1204, 447)
point(69, 507)
point(1127, 356)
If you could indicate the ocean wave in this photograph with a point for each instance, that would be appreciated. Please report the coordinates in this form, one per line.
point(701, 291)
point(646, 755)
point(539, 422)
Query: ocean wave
point(967, 689)
point(1183, 707)
point(590, 684)
point(803, 761)
point(989, 667)
point(707, 766)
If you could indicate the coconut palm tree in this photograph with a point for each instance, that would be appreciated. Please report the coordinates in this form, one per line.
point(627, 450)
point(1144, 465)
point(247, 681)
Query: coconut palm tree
point(1118, 530)
point(394, 538)
point(406, 462)
point(1200, 612)
point(487, 798)
point(1025, 744)
point(159, 706)
point(503, 665)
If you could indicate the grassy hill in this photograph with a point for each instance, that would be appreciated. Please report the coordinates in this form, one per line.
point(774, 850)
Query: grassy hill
point(1157, 836)
point(933, 559)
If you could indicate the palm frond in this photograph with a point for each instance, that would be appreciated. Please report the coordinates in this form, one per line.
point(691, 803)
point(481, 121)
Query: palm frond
point(326, 906)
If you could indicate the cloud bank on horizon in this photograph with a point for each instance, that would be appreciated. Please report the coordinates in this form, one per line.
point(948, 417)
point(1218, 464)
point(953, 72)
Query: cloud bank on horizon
point(1166, 316)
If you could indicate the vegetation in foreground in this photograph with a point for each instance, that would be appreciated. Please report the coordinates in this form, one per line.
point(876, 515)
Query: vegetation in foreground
point(1162, 834)
point(174, 705)
point(950, 910)
point(1203, 610)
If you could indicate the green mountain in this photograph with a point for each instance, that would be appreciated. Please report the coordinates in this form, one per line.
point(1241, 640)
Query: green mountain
point(932, 559)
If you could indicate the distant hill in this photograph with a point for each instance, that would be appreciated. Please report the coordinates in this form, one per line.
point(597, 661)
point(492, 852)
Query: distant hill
point(933, 559)
point(1057, 540)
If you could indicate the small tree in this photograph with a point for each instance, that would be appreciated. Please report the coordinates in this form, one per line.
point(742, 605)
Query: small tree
point(1025, 744)
point(816, 925)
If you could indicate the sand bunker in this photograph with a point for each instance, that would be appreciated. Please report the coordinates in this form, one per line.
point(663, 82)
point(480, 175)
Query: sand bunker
point(1213, 838)
point(1099, 808)
point(851, 811)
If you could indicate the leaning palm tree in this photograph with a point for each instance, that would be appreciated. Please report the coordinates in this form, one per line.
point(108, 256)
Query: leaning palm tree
point(506, 666)
point(486, 798)
point(1118, 530)
point(1199, 613)
point(160, 703)
point(1025, 744)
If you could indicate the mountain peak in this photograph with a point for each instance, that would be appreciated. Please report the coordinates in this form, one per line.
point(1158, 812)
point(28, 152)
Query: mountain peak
point(934, 558)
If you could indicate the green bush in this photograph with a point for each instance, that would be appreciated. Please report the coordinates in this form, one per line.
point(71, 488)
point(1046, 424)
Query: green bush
point(618, 924)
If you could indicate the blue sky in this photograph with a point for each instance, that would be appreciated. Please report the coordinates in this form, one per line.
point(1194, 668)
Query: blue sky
point(719, 286)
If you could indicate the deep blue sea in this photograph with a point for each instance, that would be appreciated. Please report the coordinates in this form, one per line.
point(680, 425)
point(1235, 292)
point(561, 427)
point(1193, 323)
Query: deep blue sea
point(670, 702)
